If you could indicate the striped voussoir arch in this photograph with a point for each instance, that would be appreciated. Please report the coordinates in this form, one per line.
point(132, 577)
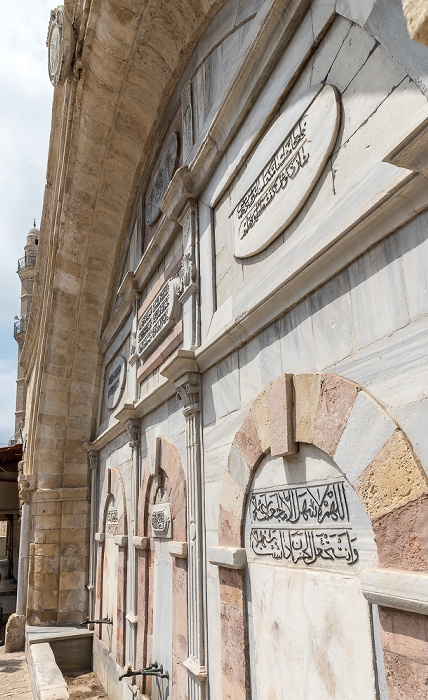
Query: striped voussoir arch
point(374, 454)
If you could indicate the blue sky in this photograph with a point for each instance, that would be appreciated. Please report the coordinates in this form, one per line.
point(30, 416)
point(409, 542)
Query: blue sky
point(25, 116)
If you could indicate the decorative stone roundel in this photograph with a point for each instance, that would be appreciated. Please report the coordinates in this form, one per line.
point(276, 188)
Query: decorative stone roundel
point(115, 382)
point(162, 174)
point(60, 43)
point(272, 190)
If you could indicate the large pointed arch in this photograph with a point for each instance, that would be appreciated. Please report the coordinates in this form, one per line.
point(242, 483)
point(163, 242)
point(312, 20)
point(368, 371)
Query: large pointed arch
point(371, 450)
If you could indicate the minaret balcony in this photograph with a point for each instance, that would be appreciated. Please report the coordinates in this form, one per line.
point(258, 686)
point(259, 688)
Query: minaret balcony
point(28, 260)
point(20, 325)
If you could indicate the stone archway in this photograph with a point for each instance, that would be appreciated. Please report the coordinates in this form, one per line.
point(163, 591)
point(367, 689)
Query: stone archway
point(167, 474)
point(342, 419)
point(113, 491)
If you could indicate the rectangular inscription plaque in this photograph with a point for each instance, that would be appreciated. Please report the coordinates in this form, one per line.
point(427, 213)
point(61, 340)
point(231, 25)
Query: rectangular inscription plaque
point(112, 522)
point(158, 319)
point(302, 522)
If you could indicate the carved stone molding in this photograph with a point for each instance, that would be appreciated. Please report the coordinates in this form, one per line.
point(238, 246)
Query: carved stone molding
point(26, 484)
point(161, 520)
point(133, 432)
point(93, 459)
point(61, 41)
point(163, 172)
point(187, 119)
point(187, 278)
point(188, 392)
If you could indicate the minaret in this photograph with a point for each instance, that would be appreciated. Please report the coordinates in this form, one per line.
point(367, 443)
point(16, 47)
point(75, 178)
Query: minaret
point(26, 267)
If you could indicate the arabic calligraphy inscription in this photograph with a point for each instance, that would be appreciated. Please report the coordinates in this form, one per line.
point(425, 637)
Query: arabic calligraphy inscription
point(303, 522)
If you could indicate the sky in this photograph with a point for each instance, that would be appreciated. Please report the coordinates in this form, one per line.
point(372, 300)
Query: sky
point(25, 117)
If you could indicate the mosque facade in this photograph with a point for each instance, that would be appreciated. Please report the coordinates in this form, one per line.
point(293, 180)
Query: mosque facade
point(225, 364)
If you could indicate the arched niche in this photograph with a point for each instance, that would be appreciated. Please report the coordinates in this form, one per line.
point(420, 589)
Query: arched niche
point(111, 565)
point(162, 564)
point(307, 538)
point(358, 444)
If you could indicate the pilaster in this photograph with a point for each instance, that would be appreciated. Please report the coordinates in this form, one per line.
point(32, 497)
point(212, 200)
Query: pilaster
point(187, 290)
point(94, 463)
point(133, 433)
point(184, 372)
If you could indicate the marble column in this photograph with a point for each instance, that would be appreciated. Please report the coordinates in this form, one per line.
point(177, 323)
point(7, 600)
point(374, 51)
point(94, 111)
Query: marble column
point(188, 388)
point(133, 432)
point(94, 462)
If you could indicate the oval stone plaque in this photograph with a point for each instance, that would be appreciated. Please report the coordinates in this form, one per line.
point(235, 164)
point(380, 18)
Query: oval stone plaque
point(163, 172)
point(115, 382)
point(284, 169)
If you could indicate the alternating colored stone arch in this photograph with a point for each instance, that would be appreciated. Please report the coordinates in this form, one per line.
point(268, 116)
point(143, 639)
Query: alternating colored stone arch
point(170, 476)
point(113, 487)
point(375, 456)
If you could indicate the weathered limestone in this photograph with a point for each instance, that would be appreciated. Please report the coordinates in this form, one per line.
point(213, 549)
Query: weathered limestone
point(393, 479)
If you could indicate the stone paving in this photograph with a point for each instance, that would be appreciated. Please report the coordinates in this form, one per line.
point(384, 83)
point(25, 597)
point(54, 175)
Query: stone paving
point(14, 677)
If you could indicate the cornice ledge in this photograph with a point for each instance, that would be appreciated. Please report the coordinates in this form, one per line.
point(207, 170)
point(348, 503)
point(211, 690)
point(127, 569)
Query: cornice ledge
point(179, 190)
point(127, 412)
point(181, 364)
point(127, 286)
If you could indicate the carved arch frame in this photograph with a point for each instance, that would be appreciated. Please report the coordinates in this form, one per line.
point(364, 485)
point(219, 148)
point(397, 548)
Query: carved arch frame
point(333, 414)
point(172, 478)
point(113, 486)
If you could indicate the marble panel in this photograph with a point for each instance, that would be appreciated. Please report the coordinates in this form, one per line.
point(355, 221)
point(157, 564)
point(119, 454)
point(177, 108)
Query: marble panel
point(298, 348)
point(227, 398)
point(250, 381)
point(328, 50)
point(212, 504)
point(413, 247)
point(332, 321)
point(215, 462)
point(354, 51)
point(162, 621)
point(270, 354)
point(394, 368)
point(380, 134)
point(211, 540)
point(209, 381)
point(222, 432)
point(214, 637)
point(109, 594)
point(321, 11)
point(377, 293)
point(312, 652)
point(355, 10)
point(367, 429)
point(280, 77)
point(378, 76)
point(206, 253)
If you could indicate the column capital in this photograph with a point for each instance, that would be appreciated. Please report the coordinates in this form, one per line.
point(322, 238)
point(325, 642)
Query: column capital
point(93, 459)
point(188, 391)
point(26, 484)
point(133, 431)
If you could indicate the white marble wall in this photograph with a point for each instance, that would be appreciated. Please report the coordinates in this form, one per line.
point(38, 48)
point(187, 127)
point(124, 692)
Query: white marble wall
point(369, 323)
